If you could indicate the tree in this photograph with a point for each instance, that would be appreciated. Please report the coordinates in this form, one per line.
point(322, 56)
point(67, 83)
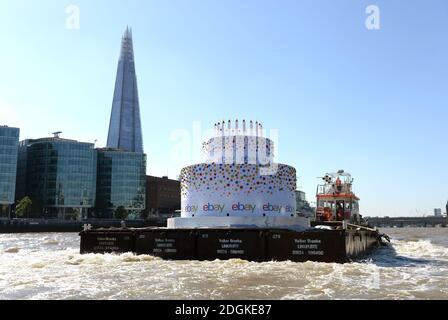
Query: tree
point(23, 207)
point(121, 213)
point(144, 214)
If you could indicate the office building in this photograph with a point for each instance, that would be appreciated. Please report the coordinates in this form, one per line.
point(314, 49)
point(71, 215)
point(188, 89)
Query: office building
point(9, 141)
point(162, 195)
point(59, 176)
point(121, 184)
point(303, 207)
point(125, 130)
point(121, 177)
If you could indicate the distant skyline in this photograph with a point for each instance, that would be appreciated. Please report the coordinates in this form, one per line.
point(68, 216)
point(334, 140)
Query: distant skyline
point(372, 102)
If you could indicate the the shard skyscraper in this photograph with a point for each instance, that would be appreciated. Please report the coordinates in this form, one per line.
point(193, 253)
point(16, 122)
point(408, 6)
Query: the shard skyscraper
point(125, 131)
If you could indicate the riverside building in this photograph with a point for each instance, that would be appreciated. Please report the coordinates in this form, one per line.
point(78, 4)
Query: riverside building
point(121, 179)
point(59, 176)
point(9, 140)
point(121, 184)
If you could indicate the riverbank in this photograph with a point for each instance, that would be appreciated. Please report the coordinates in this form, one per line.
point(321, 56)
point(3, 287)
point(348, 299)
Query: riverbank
point(43, 226)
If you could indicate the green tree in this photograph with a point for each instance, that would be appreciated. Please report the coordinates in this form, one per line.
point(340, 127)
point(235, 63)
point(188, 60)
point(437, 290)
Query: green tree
point(121, 213)
point(144, 215)
point(23, 207)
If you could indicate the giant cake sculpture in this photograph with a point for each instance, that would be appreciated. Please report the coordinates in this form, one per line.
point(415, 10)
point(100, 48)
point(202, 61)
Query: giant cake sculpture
point(239, 185)
point(239, 203)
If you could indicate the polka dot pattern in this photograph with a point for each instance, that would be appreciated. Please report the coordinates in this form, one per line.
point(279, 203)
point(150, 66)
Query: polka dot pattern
point(228, 180)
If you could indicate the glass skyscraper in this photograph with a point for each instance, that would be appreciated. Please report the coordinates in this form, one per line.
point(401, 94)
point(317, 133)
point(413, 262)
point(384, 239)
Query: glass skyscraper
point(125, 131)
point(121, 183)
point(59, 175)
point(9, 141)
point(121, 171)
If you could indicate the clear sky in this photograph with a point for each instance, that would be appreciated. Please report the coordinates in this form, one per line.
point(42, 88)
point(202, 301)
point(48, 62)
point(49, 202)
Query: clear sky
point(372, 102)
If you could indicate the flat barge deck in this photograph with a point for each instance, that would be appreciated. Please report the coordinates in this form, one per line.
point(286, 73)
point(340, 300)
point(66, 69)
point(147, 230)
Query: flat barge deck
point(340, 244)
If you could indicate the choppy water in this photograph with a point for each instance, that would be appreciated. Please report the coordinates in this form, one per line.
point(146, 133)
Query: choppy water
point(48, 266)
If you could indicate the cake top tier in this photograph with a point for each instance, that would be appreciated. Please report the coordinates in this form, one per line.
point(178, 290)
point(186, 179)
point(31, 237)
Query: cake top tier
point(239, 142)
point(238, 128)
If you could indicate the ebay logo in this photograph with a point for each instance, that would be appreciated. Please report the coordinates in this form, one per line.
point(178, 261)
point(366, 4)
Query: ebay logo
point(243, 207)
point(277, 208)
point(213, 207)
point(191, 209)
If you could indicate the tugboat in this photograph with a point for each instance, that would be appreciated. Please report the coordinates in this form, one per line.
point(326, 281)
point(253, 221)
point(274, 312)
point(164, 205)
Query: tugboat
point(338, 209)
point(336, 201)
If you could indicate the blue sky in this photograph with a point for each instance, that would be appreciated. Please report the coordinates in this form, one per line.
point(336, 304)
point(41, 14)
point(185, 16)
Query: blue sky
point(372, 102)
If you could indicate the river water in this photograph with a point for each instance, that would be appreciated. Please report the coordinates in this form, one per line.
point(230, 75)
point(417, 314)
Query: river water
point(48, 266)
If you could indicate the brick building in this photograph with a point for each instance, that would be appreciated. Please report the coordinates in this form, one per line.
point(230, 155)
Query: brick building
point(162, 195)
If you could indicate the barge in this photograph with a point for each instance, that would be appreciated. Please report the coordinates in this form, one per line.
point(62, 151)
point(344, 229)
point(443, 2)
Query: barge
point(337, 234)
point(337, 245)
point(240, 204)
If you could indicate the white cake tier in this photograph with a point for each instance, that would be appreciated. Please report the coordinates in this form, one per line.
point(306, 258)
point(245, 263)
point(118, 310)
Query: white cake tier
point(239, 149)
point(290, 223)
point(227, 190)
